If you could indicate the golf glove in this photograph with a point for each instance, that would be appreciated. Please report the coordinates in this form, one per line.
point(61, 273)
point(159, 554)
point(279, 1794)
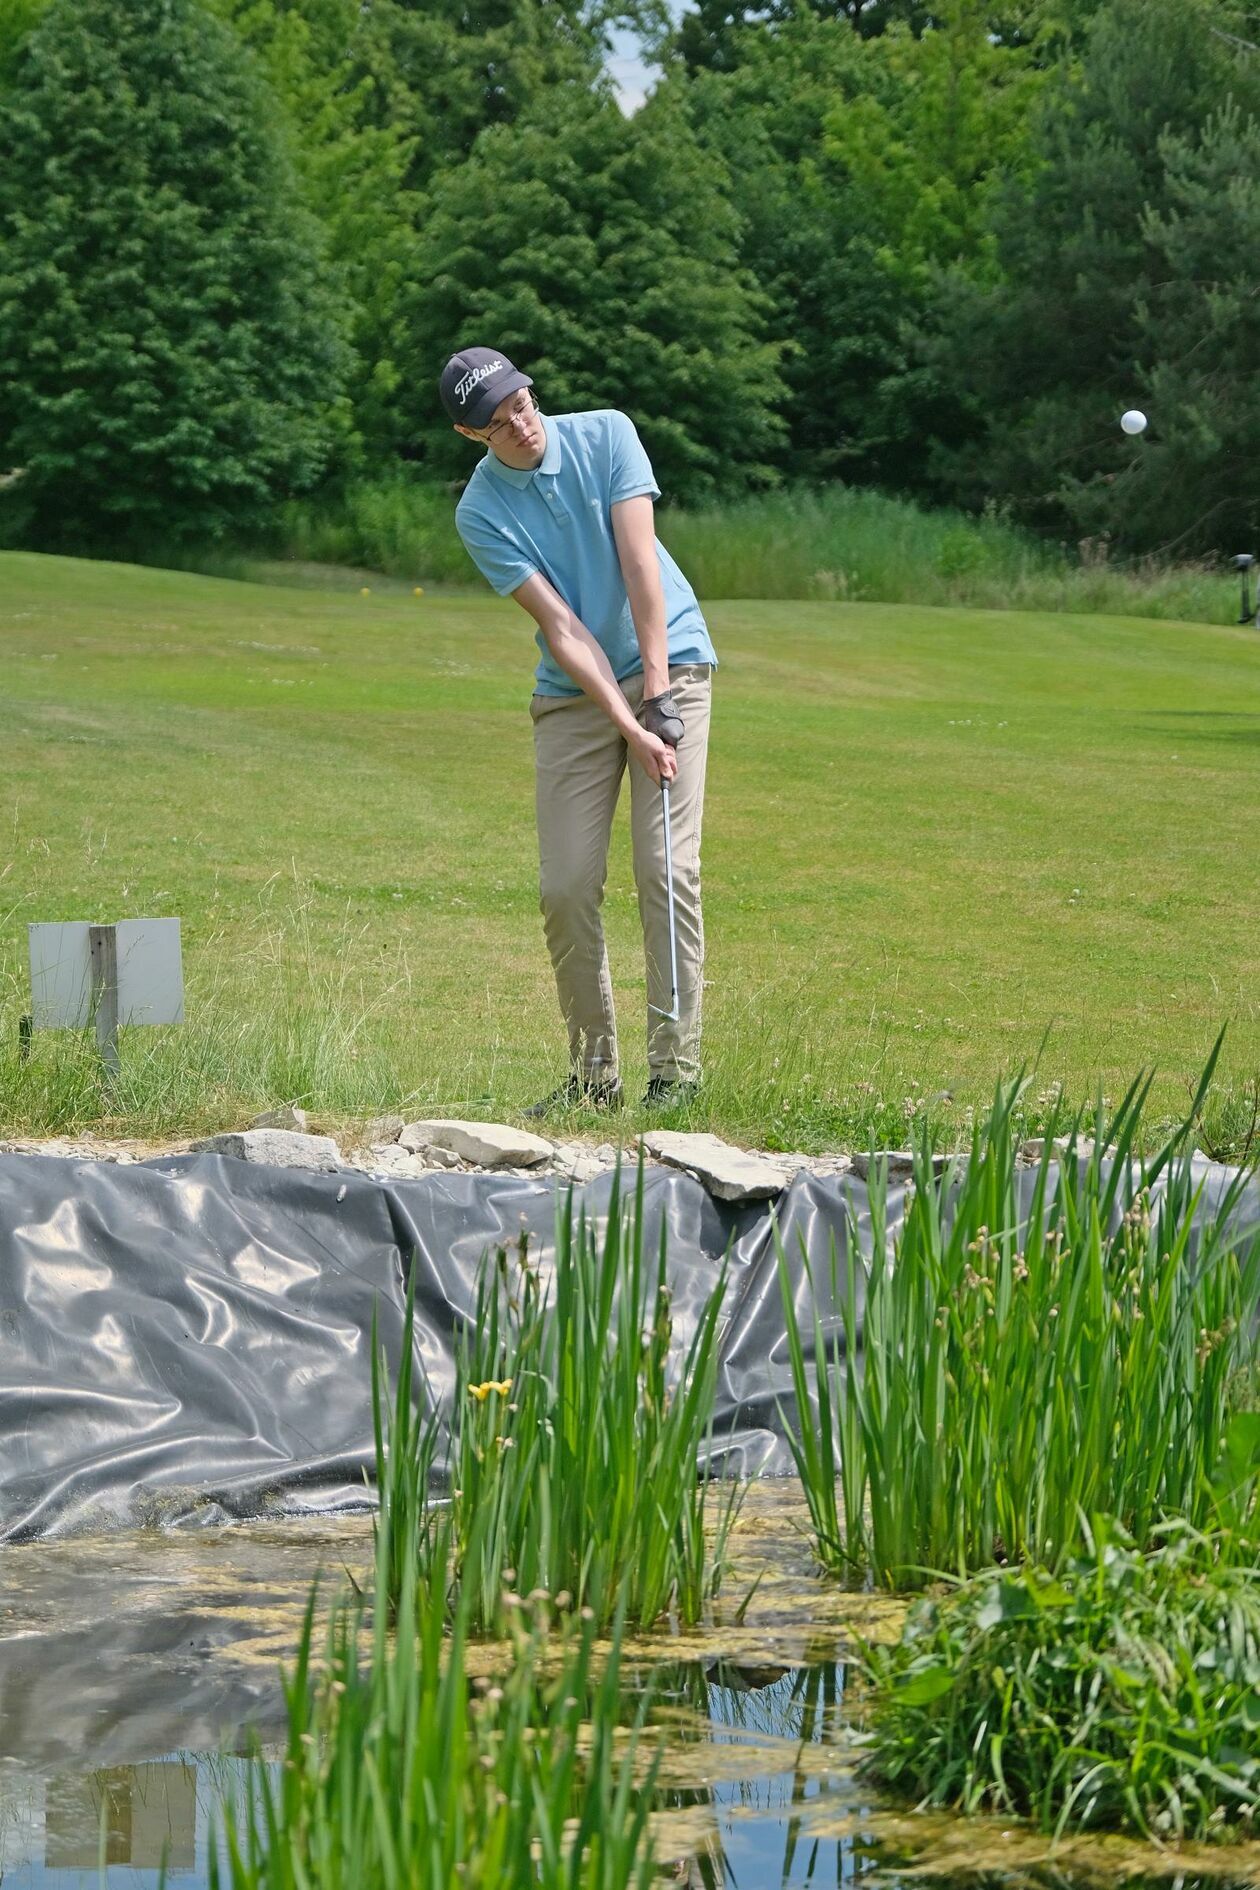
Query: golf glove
point(660, 718)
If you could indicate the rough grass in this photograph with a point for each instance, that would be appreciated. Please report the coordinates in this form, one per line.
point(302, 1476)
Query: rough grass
point(833, 542)
point(940, 844)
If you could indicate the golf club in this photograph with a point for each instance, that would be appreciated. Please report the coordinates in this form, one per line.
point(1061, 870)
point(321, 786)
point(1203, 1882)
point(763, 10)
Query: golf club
point(673, 1012)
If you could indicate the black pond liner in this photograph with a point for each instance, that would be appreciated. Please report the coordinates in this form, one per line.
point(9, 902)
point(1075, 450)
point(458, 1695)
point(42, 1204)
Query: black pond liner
point(187, 1340)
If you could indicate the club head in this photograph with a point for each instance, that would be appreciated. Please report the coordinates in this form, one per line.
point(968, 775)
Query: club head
point(671, 1016)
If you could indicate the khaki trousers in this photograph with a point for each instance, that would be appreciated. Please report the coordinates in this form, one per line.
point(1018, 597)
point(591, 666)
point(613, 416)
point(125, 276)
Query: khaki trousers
point(580, 758)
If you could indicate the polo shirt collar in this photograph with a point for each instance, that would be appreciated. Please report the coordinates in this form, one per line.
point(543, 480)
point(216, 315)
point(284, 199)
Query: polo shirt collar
point(521, 475)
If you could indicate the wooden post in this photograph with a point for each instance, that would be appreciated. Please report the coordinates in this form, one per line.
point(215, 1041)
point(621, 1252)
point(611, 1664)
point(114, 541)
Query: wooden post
point(103, 951)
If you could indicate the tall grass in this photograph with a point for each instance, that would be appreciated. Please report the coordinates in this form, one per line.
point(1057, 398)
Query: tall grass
point(1025, 1367)
point(841, 543)
point(573, 1445)
point(834, 543)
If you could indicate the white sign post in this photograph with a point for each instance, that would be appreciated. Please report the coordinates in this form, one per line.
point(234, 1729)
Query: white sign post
point(107, 975)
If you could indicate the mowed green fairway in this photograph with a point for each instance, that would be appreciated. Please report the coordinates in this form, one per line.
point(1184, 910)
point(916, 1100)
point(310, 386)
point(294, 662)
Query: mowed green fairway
point(936, 842)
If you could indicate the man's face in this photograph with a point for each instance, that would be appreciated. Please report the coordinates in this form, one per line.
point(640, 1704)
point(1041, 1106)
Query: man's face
point(514, 431)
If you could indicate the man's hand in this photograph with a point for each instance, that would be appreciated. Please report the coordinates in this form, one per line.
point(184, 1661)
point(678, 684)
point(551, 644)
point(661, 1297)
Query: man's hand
point(661, 718)
point(656, 757)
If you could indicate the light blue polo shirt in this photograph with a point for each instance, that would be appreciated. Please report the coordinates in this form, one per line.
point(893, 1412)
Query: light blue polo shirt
point(556, 518)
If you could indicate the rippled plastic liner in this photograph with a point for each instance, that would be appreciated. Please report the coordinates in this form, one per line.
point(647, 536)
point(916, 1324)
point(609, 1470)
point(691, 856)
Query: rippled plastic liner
point(187, 1340)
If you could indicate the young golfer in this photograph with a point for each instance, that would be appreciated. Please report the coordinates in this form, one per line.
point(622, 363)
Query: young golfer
point(558, 514)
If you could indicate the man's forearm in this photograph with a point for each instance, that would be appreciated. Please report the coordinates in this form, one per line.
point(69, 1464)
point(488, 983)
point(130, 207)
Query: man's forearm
point(647, 607)
point(584, 662)
point(639, 557)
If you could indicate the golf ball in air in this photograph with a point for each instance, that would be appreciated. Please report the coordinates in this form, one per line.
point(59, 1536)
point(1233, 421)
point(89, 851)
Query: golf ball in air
point(1133, 421)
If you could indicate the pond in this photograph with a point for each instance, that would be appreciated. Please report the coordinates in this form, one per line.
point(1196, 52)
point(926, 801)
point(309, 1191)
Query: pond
point(133, 1666)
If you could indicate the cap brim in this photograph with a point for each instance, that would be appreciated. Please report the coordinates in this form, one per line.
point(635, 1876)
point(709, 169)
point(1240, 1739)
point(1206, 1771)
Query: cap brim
point(480, 413)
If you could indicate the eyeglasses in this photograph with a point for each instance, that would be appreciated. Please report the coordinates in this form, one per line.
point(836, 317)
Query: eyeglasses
point(523, 410)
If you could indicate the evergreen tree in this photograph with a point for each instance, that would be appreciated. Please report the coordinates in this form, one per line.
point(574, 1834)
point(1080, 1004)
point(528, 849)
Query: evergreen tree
point(1048, 353)
point(600, 253)
point(170, 356)
point(763, 119)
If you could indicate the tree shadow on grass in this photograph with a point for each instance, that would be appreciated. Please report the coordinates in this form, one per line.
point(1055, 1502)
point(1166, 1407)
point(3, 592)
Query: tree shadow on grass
point(1249, 735)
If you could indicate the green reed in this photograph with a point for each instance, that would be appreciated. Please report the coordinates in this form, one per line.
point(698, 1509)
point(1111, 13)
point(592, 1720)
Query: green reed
point(403, 1772)
point(1024, 1367)
point(575, 1446)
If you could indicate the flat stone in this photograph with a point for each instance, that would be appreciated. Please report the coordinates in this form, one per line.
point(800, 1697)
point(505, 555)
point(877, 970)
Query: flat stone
point(383, 1130)
point(727, 1172)
point(1034, 1148)
point(387, 1159)
point(274, 1148)
point(900, 1163)
point(578, 1165)
point(439, 1157)
point(484, 1144)
point(288, 1117)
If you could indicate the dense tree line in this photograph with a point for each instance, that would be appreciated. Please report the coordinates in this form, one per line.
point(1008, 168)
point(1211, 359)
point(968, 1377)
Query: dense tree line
point(934, 248)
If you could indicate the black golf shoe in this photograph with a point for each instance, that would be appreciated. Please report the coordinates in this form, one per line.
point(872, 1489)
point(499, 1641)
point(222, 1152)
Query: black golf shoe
point(579, 1092)
point(669, 1092)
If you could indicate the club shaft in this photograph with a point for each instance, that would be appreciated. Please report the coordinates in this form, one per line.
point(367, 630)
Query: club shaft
point(669, 897)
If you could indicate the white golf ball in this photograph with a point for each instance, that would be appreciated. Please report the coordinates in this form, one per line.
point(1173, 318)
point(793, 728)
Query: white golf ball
point(1133, 421)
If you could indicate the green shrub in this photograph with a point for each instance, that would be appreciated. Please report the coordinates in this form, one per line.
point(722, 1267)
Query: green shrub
point(1124, 1691)
point(398, 526)
point(186, 369)
point(1027, 1364)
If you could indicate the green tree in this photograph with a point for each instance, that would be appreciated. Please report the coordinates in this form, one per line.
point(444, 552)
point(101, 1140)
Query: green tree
point(929, 127)
point(860, 166)
point(17, 17)
point(600, 253)
point(170, 356)
point(449, 71)
point(318, 59)
point(1193, 485)
point(713, 34)
point(1048, 352)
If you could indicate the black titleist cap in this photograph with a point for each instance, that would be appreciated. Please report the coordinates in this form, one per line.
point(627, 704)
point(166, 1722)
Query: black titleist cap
point(475, 381)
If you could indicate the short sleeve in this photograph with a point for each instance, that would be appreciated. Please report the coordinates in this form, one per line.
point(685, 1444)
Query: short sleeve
point(631, 469)
point(501, 562)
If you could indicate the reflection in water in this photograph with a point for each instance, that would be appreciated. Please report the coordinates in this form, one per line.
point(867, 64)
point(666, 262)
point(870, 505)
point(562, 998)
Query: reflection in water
point(133, 1814)
point(757, 1791)
point(796, 1815)
point(754, 1834)
point(57, 1833)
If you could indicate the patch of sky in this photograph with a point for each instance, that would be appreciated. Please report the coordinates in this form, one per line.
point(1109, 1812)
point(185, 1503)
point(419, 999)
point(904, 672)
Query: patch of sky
point(632, 73)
